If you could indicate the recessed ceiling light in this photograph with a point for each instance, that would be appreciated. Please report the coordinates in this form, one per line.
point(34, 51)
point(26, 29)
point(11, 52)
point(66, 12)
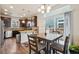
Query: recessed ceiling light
point(5, 10)
point(5, 13)
point(23, 21)
point(11, 6)
point(42, 7)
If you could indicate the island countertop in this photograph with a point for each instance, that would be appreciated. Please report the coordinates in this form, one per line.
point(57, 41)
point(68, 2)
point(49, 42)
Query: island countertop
point(14, 29)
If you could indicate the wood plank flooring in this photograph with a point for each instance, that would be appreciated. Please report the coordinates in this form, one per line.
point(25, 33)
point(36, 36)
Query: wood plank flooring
point(11, 47)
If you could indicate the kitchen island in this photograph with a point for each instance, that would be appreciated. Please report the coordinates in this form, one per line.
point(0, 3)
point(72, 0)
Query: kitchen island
point(24, 37)
point(12, 32)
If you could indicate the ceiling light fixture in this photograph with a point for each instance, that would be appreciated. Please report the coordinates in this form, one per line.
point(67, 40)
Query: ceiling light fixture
point(39, 10)
point(49, 7)
point(42, 7)
point(42, 12)
point(45, 8)
point(5, 10)
point(48, 11)
point(23, 21)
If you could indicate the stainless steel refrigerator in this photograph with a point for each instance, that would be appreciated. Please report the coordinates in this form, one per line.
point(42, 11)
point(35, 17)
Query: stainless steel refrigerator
point(1, 33)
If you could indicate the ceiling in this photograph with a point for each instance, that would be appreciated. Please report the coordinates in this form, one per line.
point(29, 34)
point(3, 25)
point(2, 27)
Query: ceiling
point(19, 9)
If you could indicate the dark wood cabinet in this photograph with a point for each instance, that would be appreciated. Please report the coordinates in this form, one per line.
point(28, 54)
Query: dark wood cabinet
point(14, 33)
point(22, 23)
point(29, 23)
point(7, 21)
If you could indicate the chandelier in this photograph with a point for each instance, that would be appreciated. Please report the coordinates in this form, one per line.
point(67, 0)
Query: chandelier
point(44, 8)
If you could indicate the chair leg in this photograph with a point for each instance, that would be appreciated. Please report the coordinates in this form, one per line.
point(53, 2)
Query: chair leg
point(29, 51)
point(65, 52)
point(45, 50)
point(39, 52)
point(53, 51)
point(50, 49)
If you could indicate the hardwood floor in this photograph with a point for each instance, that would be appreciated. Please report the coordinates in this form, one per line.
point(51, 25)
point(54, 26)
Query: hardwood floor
point(11, 47)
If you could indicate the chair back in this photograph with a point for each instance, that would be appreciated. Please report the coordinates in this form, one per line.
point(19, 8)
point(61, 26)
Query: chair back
point(33, 43)
point(36, 30)
point(66, 44)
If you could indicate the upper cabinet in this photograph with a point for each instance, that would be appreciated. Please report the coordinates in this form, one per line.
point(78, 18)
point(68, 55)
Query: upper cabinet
point(7, 21)
point(29, 22)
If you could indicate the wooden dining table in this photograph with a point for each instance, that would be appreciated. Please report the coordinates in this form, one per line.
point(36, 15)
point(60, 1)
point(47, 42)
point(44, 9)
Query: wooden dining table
point(49, 38)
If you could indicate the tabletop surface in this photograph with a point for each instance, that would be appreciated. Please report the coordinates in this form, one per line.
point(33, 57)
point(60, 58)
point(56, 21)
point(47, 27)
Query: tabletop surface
point(50, 36)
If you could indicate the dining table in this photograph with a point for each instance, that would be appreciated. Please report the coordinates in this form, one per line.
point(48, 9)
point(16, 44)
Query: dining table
point(49, 38)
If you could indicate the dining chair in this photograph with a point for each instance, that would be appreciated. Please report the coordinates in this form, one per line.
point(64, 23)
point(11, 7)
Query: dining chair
point(35, 45)
point(60, 48)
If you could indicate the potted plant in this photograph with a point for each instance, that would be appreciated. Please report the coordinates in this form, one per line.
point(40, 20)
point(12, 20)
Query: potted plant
point(74, 49)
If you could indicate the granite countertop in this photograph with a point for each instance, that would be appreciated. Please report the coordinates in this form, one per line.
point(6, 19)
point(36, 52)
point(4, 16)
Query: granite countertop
point(14, 29)
point(18, 29)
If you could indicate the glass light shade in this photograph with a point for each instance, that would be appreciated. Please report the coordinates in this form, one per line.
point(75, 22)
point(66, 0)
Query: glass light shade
point(42, 7)
point(39, 10)
point(49, 7)
point(42, 12)
point(48, 10)
point(5, 10)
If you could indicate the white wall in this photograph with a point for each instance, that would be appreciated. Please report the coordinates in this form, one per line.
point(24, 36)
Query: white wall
point(75, 24)
point(41, 23)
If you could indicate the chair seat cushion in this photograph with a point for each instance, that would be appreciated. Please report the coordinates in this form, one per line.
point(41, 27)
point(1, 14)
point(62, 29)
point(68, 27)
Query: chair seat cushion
point(57, 46)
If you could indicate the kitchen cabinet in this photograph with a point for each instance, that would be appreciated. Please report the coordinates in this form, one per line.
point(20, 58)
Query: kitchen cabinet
point(8, 34)
point(29, 22)
point(7, 21)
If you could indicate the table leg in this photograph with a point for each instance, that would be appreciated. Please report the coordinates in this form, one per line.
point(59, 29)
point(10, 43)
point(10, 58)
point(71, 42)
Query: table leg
point(48, 48)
